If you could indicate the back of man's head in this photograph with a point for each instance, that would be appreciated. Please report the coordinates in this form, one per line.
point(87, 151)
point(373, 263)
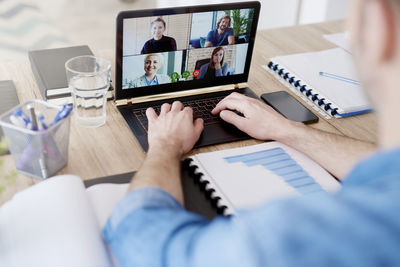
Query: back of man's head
point(375, 36)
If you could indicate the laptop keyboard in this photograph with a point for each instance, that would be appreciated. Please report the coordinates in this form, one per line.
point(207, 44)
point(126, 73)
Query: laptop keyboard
point(201, 109)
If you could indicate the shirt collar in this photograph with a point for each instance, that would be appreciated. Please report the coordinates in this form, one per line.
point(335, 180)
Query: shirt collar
point(154, 82)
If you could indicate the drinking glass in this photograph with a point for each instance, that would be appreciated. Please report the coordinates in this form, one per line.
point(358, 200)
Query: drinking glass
point(89, 80)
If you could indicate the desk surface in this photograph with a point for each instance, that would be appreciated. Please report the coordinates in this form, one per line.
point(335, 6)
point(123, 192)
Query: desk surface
point(113, 149)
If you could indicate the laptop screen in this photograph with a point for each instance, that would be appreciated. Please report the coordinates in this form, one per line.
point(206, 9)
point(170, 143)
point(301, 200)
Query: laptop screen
point(174, 49)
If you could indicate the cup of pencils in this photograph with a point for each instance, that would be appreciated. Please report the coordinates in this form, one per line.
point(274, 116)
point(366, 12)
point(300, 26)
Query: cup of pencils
point(38, 136)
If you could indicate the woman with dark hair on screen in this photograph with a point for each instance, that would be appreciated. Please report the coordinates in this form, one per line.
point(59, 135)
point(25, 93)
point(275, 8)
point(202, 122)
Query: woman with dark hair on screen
point(159, 42)
point(217, 67)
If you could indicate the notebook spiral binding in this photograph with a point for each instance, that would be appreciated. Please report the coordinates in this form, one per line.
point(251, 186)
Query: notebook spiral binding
point(205, 186)
point(308, 92)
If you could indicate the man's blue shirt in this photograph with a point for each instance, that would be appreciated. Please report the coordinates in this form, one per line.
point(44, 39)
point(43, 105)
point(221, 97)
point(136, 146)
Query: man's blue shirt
point(357, 226)
point(217, 39)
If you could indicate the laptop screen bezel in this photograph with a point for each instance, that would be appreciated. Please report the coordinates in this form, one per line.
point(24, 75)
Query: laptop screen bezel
point(182, 85)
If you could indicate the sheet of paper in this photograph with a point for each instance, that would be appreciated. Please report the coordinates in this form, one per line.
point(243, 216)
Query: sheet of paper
point(51, 224)
point(249, 176)
point(104, 197)
point(340, 39)
point(307, 66)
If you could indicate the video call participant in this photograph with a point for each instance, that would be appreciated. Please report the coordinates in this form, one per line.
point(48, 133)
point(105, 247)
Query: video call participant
point(222, 35)
point(217, 67)
point(152, 63)
point(159, 42)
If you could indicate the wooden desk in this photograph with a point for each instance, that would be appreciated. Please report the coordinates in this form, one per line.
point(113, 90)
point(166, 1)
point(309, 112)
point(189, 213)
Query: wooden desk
point(113, 149)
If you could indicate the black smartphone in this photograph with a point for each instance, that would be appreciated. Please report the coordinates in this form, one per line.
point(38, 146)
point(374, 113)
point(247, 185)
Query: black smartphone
point(289, 107)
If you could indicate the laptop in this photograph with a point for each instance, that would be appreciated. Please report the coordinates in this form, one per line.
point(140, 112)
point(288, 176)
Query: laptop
point(197, 55)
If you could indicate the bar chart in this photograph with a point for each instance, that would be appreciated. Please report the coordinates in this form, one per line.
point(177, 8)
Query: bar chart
point(281, 164)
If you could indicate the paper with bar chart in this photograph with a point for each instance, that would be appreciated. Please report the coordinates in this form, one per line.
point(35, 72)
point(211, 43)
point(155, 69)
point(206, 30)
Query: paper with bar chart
point(249, 176)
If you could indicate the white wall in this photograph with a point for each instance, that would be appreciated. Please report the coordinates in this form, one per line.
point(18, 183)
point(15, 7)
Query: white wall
point(281, 13)
point(313, 11)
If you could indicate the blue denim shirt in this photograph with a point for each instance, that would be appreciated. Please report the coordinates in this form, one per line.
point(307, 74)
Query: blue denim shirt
point(357, 226)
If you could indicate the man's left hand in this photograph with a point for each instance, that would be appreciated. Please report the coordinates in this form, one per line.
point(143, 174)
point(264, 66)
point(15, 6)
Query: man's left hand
point(173, 129)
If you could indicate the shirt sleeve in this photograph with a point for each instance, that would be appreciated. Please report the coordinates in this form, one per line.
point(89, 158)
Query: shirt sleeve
point(210, 37)
point(150, 228)
point(173, 44)
point(230, 32)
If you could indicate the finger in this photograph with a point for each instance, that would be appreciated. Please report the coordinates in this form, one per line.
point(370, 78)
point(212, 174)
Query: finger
point(165, 108)
point(177, 106)
point(233, 118)
point(151, 114)
point(198, 127)
point(189, 111)
point(229, 103)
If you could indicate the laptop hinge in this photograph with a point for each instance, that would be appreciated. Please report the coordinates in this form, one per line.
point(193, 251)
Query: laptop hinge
point(130, 101)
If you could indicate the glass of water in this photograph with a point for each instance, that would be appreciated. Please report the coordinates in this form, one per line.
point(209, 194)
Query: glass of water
point(89, 80)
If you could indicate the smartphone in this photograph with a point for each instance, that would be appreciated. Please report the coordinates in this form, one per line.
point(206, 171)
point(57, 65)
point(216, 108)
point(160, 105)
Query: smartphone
point(289, 107)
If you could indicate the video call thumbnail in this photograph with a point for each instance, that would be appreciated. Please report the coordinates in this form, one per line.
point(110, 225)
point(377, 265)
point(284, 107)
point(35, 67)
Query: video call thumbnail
point(175, 48)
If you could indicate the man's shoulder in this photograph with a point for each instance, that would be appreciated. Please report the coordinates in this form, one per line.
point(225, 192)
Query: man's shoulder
point(163, 78)
point(204, 66)
point(167, 38)
point(229, 31)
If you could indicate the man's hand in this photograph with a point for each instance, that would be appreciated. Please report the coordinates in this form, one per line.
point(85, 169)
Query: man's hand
point(173, 128)
point(260, 120)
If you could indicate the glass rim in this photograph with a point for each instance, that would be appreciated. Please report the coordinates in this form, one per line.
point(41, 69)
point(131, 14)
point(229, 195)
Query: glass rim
point(88, 73)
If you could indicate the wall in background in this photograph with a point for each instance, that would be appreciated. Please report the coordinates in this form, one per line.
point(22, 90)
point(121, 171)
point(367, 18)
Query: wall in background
point(282, 13)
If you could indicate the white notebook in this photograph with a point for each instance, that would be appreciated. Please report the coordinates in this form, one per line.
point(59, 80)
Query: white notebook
point(58, 222)
point(331, 97)
point(245, 177)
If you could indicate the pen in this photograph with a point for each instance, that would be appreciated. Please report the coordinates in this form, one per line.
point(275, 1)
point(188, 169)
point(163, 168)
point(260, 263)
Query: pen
point(63, 113)
point(336, 77)
point(33, 118)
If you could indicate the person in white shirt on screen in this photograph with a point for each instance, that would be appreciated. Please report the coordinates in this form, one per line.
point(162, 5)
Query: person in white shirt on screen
point(152, 63)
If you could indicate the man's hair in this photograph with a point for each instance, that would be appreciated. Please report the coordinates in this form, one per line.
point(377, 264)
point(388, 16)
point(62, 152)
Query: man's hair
point(160, 57)
point(216, 50)
point(224, 17)
point(158, 20)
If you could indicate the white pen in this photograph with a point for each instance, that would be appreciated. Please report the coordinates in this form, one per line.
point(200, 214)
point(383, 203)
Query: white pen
point(340, 78)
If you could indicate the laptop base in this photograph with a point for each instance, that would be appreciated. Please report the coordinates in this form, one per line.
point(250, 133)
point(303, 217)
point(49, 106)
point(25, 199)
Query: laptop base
point(216, 133)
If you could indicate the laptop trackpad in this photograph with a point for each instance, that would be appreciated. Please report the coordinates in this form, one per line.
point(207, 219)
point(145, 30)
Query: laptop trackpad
point(220, 133)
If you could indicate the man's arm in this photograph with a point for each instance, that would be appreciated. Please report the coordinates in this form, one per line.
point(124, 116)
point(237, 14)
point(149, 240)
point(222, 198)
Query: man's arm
point(171, 135)
point(337, 154)
point(231, 40)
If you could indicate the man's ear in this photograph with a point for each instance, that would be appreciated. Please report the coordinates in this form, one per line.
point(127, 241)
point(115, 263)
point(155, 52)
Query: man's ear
point(386, 17)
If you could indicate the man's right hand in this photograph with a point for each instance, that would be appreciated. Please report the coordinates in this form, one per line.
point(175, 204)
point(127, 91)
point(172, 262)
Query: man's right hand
point(260, 121)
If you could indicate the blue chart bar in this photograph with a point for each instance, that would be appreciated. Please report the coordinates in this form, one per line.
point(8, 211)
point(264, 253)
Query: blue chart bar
point(279, 162)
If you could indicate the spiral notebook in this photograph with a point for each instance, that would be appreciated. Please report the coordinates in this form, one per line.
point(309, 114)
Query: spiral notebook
point(245, 177)
point(330, 97)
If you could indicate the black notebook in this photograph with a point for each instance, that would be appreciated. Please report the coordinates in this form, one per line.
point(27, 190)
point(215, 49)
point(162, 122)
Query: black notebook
point(48, 67)
point(196, 198)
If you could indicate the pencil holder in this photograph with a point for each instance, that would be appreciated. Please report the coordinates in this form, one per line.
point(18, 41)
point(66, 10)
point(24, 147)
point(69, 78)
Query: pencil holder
point(38, 136)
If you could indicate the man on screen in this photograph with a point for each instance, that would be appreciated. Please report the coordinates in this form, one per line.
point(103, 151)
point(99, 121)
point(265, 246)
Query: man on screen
point(222, 35)
point(152, 63)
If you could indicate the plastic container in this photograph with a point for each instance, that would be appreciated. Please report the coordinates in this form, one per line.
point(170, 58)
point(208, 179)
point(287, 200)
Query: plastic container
point(38, 153)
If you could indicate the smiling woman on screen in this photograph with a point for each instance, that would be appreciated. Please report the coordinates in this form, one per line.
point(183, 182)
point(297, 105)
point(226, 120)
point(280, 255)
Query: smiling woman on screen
point(159, 42)
point(152, 63)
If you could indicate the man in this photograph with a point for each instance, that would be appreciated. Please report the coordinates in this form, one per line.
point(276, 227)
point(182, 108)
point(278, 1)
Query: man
point(222, 35)
point(152, 63)
point(358, 226)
